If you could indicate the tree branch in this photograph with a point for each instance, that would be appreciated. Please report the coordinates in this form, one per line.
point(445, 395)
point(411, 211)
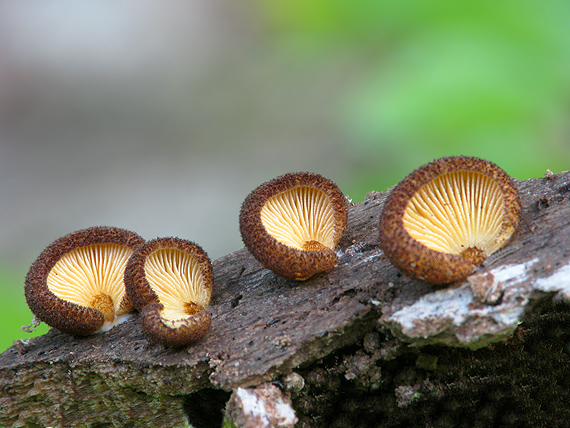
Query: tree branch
point(265, 327)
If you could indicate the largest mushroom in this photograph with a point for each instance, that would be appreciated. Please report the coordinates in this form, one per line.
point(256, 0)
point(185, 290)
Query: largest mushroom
point(445, 218)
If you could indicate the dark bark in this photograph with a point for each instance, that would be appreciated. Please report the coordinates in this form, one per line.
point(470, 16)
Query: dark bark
point(361, 337)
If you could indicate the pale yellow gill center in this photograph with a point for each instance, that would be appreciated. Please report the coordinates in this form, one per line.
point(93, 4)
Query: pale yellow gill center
point(460, 213)
point(302, 218)
point(176, 277)
point(92, 276)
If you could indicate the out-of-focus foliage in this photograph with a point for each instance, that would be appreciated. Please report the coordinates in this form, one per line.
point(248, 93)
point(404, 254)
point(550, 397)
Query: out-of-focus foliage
point(430, 79)
point(15, 313)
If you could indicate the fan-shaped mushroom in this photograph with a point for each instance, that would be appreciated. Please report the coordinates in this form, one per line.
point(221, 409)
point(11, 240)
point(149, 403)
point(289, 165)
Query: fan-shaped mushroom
point(169, 280)
point(76, 283)
point(445, 218)
point(293, 223)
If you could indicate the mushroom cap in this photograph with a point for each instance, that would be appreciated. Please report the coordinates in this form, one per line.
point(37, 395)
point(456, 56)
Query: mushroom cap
point(169, 280)
point(76, 283)
point(445, 218)
point(292, 224)
point(186, 331)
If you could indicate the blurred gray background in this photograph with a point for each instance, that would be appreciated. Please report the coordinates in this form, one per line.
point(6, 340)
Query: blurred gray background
point(152, 118)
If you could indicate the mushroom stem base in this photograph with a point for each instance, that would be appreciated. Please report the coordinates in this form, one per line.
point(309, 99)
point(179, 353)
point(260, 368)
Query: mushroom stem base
point(192, 308)
point(104, 304)
point(315, 246)
point(474, 255)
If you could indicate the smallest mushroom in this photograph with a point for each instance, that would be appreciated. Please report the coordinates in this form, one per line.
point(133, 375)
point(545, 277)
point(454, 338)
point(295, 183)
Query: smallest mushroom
point(169, 280)
point(293, 223)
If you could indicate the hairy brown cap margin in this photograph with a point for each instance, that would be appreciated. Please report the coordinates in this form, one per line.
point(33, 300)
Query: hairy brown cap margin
point(415, 259)
point(192, 329)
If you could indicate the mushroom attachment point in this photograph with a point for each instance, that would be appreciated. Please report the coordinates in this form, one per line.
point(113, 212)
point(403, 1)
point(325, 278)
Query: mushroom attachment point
point(76, 284)
point(445, 218)
point(292, 224)
point(169, 280)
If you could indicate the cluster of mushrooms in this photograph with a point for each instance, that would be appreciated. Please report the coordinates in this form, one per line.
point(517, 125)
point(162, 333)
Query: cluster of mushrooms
point(437, 225)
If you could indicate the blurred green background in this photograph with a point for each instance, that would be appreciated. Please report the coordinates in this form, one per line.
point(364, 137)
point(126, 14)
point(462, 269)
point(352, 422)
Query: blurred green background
point(161, 118)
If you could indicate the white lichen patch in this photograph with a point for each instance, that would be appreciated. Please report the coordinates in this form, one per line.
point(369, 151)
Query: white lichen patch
point(450, 304)
point(558, 282)
point(264, 407)
point(453, 316)
point(253, 404)
point(286, 412)
point(119, 319)
point(513, 273)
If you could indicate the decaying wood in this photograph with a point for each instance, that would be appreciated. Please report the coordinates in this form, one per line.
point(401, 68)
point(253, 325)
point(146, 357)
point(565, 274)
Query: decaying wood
point(342, 330)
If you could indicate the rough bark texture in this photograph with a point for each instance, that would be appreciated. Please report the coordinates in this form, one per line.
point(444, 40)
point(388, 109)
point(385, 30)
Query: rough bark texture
point(361, 345)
